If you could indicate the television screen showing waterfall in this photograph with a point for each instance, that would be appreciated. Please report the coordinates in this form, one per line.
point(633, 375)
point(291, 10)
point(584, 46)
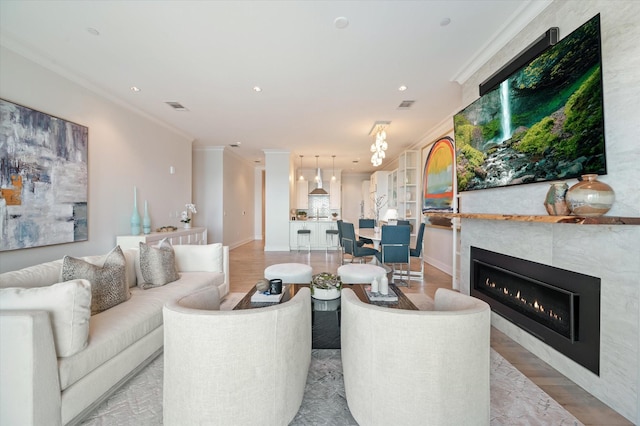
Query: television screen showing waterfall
point(544, 122)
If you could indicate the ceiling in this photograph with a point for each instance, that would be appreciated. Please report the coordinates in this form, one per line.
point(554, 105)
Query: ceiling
point(323, 87)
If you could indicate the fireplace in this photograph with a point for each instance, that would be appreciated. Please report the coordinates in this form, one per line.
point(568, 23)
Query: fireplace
point(559, 307)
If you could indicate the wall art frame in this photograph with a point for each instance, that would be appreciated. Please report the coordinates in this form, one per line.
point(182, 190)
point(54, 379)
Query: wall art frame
point(438, 176)
point(43, 178)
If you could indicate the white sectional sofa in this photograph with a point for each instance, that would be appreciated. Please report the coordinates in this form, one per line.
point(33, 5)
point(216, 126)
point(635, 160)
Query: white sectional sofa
point(40, 387)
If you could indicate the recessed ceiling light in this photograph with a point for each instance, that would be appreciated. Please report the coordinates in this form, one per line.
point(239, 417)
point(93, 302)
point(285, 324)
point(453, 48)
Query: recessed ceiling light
point(402, 88)
point(445, 22)
point(93, 31)
point(341, 22)
point(257, 89)
point(135, 89)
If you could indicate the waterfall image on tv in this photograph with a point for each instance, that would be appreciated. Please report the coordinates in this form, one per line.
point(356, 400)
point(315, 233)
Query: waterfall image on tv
point(545, 122)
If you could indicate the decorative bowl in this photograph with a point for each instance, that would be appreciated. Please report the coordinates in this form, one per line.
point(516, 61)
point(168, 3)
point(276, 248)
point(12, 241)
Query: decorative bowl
point(325, 286)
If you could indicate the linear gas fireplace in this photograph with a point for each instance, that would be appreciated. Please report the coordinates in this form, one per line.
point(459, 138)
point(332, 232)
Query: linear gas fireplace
point(559, 307)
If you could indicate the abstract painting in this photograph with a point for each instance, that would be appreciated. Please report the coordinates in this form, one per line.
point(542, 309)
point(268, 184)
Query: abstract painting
point(43, 179)
point(437, 185)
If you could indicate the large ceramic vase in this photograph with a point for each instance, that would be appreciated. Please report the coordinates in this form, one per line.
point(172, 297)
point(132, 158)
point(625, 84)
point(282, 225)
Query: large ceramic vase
point(590, 197)
point(146, 220)
point(555, 201)
point(135, 216)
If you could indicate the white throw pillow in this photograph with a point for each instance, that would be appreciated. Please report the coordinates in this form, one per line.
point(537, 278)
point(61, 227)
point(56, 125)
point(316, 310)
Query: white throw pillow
point(199, 258)
point(69, 307)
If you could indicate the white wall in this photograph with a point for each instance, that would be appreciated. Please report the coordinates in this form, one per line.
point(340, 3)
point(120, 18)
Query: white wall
point(257, 202)
point(352, 196)
point(126, 149)
point(208, 184)
point(611, 253)
point(277, 201)
point(224, 191)
point(238, 200)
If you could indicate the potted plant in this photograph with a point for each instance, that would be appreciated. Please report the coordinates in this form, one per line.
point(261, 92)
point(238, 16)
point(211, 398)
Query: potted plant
point(302, 215)
point(185, 217)
point(325, 286)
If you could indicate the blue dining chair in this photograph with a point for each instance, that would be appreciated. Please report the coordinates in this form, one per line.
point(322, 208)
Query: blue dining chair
point(394, 249)
point(417, 253)
point(366, 223)
point(350, 245)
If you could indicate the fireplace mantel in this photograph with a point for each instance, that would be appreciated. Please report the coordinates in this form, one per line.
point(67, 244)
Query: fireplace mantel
point(580, 220)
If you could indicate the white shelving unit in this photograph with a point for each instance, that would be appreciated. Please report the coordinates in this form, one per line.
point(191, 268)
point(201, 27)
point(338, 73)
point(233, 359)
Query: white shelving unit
point(392, 189)
point(409, 188)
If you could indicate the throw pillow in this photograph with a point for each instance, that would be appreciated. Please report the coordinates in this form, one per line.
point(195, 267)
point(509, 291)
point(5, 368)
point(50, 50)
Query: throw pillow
point(157, 265)
point(199, 258)
point(108, 283)
point(69, 307)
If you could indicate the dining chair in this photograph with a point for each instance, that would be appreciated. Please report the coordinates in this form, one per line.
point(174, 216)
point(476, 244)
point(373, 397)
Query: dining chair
point(417, 253)
point(403, 222)
point(394, 250)
point(350, 244)
point(366, 223)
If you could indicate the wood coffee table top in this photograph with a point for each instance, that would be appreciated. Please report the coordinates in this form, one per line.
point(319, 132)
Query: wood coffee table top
point(291, 289)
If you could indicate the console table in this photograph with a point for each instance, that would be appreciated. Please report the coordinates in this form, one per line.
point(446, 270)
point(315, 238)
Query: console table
point(180, 236)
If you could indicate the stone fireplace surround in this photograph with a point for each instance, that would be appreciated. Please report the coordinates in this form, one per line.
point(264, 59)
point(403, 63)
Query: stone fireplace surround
point(610, 252)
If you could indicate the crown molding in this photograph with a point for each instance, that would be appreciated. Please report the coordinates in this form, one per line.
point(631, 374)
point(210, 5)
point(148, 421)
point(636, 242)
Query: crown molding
point(519, 20)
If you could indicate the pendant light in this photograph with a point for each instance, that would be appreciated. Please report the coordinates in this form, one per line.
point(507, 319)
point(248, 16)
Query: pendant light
point(317, 170)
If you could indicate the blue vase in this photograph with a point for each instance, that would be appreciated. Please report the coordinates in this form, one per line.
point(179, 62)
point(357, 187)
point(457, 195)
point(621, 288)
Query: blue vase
point(135, 216)
point(146, 220)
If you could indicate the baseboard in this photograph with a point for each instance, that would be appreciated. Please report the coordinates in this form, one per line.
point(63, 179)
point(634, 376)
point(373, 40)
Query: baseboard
point(240, 243)
point(444, 267)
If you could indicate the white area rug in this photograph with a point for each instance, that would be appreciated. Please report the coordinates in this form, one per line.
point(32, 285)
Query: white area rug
point(515, 400)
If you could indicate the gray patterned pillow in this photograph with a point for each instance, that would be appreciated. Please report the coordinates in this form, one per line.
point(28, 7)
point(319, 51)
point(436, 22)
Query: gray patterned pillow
point(157, 265)
point(108, 282)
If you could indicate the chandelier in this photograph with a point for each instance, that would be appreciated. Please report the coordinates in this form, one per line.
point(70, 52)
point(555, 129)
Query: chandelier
point(380, 145)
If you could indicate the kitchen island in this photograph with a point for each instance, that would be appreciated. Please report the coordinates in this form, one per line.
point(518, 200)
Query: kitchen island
point(318, 228)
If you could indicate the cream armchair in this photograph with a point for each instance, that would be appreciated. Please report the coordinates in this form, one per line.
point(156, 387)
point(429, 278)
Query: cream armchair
point(417, 367)
point(241, 367)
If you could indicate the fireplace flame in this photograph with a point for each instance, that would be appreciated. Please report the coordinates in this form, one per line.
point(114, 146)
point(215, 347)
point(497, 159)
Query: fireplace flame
point(518, 298)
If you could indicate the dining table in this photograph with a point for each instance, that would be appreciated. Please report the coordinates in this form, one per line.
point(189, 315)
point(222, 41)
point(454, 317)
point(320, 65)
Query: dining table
point(373, 236)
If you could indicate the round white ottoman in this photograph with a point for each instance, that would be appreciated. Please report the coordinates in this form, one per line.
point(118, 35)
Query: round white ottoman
point(289, 273)
point(361, 274)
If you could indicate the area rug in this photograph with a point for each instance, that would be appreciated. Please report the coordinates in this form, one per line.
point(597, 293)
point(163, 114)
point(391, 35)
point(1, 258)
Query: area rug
point(515, 400)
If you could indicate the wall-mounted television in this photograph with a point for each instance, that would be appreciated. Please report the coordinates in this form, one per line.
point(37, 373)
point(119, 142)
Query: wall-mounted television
point(544, 122)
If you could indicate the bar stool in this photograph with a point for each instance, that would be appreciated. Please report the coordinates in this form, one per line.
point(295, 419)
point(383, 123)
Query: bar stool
point(301, 235)
point(332, 235)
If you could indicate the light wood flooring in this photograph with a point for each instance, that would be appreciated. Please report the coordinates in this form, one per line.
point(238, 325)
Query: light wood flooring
point(247, 263)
